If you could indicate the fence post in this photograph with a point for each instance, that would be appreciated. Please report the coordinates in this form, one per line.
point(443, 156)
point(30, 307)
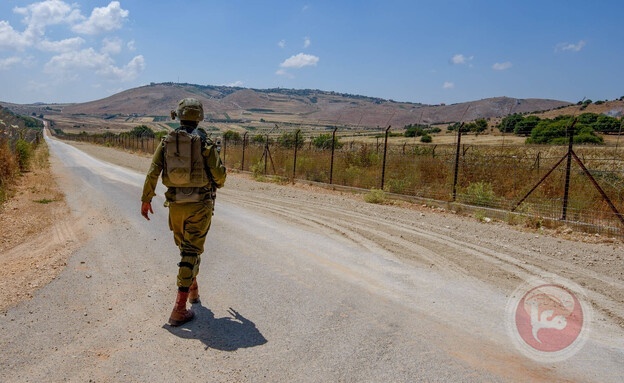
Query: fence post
point(266, 153)
point(331, 164)
point(295, 160)
point(244, 145)
point(383, 169)
point(566, 189)
point(459, 132)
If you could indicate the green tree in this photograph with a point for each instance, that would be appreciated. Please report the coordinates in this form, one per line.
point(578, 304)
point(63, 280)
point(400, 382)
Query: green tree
point(324, 141)
point(606, 124)
point(414, 130)
point(508, 124)
point(480, 125)
point(142, 131)
point(526, 125)
point(232, 136)
point(289, 139)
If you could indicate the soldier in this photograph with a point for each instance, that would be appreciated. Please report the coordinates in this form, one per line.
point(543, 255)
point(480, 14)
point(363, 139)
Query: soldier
point(192, 170)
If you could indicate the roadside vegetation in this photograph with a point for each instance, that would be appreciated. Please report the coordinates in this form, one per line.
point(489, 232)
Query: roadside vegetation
point(19, 138)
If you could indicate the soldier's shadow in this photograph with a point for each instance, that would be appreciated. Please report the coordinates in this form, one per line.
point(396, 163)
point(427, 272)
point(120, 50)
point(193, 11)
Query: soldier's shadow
point(227, 334)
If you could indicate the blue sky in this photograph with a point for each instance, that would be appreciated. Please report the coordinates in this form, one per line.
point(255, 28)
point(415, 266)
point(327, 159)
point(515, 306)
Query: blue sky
point(418, 51)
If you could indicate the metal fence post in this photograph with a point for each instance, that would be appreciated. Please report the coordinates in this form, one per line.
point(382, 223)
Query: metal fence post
point(331, 164)
point(295, 160)
point(566, 189)
point(455, 173)
point(244, 145)
point(383, 168)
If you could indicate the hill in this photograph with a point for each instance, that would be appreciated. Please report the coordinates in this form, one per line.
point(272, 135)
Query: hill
point(152, 103)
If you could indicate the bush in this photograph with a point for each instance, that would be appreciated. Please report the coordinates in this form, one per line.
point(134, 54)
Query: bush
point(479, 193)
point(232, 136)
point(142, 131)
point(426, 138)
point(324, 141)
point(23, 151)
point(8, 169)
point(375, 196)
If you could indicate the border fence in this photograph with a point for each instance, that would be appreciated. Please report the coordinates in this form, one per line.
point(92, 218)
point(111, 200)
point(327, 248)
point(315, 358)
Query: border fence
point(530, 184)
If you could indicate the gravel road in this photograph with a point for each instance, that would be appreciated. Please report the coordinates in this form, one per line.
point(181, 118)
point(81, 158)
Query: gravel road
point(298, 284)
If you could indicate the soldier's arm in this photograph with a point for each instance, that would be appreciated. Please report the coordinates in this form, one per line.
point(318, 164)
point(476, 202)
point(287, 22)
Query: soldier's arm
point(215, 166)
point(151, 180)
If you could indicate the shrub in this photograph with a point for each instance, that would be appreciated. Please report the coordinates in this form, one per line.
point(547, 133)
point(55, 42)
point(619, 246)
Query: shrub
point(426, 138)
point(375, 196)
point(324, 141)
point(232, 136)
point(23, 150)
point(479, 193)
point(8, 169)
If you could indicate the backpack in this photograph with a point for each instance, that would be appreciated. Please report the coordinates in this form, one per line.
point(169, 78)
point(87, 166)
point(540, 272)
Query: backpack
point(184, 163)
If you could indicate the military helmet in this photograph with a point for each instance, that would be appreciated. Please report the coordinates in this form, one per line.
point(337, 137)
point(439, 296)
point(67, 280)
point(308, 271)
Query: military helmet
point(189, 109)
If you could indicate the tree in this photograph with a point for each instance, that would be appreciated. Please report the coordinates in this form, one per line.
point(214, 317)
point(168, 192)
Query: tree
point(324, 141)
point(414, 130)
point(142, 131)
point(288, 140)
point(482, 125)
point(555, 132)
point(232, 136)
point(526, 125)
point(606, 124)
point(508, 124)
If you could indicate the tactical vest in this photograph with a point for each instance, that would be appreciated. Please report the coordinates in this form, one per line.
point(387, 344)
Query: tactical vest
point(184, 163)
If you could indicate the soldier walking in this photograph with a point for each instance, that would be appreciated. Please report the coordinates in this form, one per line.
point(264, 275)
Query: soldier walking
point(192, 171)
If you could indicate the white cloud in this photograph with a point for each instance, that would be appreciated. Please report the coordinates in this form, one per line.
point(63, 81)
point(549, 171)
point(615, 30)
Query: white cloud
point(38, 16)
point(8, 63)
point(131, 45)
point(10, 38)
point(129, 72)
point(235, 84)
point(112, 46)
point(282, 44)
point(67, 64)
point(448, 85)
point(461, 59)
point(282, 72)
point(104, 19)
point(299, 61)
point(502, 66)
point(562, 47)
point(306, 42)
point(66, 45)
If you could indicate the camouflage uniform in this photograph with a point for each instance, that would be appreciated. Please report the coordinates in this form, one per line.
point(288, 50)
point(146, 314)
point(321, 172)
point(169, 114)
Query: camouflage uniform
point(188, 221)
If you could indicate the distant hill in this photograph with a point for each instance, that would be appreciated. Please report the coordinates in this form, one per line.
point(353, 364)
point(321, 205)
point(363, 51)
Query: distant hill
point(306, 106)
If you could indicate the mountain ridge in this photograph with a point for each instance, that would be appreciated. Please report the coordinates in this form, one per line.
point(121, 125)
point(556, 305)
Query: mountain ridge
point(299, 106)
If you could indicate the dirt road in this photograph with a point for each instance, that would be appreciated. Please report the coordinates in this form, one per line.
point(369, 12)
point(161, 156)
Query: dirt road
point(300, 285)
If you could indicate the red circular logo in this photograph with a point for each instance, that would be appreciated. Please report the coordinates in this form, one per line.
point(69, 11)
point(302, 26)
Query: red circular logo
point(549, 318)
point(549, 321)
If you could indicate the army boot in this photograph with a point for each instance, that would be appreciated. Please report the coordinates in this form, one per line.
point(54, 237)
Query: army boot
point(180, 314)
point(194, 292)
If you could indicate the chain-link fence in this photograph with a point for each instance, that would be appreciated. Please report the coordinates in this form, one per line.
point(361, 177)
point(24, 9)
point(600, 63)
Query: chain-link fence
point(588, 193)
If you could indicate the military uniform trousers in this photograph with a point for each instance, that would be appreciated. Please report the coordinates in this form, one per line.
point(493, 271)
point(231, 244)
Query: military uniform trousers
point(190, 223)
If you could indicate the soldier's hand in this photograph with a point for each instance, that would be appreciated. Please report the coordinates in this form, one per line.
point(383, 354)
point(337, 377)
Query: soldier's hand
point(145, 208)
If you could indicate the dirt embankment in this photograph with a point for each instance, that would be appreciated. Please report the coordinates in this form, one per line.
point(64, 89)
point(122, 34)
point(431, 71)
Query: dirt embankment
point(35, 233)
